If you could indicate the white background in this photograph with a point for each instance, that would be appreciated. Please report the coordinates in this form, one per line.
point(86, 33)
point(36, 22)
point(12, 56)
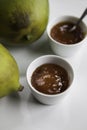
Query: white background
point(22, 111)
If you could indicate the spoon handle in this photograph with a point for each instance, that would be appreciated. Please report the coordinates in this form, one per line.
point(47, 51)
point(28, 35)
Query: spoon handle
point(83, 15)
point(76, 24)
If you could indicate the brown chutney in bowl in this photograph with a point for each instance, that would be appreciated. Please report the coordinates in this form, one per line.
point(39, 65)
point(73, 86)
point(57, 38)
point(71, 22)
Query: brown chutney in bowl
point(50, 79)
point(61, 33)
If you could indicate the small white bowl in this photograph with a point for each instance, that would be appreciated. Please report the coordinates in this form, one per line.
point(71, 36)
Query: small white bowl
point(45, 98)
point(61, 49)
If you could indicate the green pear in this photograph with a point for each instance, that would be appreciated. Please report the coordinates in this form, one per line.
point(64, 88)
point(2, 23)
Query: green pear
point(22, 21)
point(9, 73)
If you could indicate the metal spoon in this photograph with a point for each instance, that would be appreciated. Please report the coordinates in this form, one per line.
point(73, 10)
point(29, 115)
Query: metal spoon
point(77, 23)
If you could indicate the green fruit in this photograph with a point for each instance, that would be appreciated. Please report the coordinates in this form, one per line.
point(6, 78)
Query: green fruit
point(22, 21)
point(9, 73)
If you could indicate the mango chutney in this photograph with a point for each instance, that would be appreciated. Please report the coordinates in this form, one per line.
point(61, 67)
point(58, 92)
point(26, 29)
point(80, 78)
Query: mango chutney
point(50, 79)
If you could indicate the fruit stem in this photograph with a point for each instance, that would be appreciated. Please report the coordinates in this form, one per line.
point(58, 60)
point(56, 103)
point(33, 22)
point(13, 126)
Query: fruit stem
point(21, 88)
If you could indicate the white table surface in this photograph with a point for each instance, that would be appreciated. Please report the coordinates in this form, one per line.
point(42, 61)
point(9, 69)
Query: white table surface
point(22, 111)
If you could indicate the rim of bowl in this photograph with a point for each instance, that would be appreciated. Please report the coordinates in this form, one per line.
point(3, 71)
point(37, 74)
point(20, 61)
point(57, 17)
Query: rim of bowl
point(54, 22)
point(43, 94)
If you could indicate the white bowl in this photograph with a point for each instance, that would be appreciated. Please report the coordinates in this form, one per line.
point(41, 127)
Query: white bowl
point(45, 98)
point(61, 49)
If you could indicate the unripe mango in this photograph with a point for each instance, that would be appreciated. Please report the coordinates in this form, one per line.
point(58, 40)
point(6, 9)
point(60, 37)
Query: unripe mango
point(22, 21)
point(9, 73)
